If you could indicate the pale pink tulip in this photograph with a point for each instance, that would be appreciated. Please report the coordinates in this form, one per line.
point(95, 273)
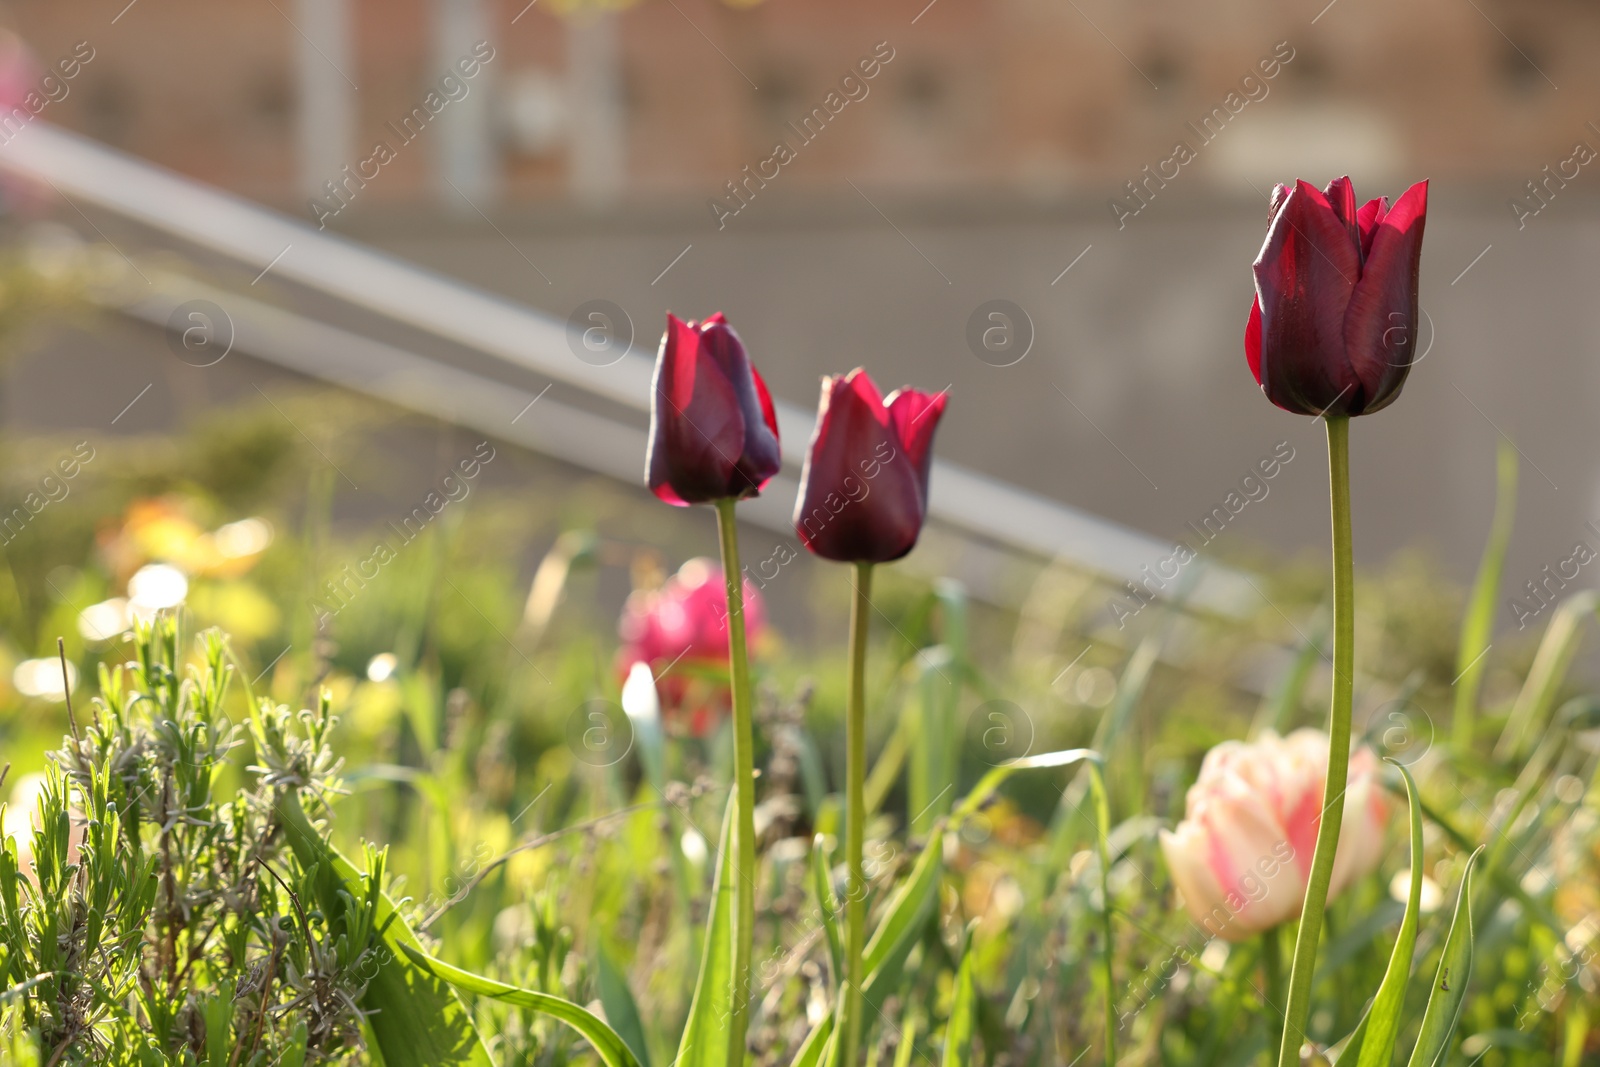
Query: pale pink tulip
point(1241, 857)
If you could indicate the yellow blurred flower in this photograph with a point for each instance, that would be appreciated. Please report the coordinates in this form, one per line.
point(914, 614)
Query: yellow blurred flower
point(162, 530)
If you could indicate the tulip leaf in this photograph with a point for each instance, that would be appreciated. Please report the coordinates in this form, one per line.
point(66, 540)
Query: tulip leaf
point(991, 781)
point(817, 1048)
point(909, 907)
point(1349, 1050)
point(1450, 983)
point(827, 904)
point(963, 1017)
point(611, 1049)
point(1382, 1025)
point(706, 1036)
point(415, 1016)
point(621, 1009)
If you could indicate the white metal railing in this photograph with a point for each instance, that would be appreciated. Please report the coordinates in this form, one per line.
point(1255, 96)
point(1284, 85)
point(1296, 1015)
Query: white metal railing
point(519, 336)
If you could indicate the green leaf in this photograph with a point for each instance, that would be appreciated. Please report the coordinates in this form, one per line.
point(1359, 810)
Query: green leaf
point(611, 1049)
point(827, 904)
point(907, 1038)
point(1478, 623)
point(817, 1045)
point(1450, 983)
point(1382, 1027)
point(990, 782)
point(705, 1035)
point(963, 1017)
point(909, 906)
point(1549, 670)
point(930, 721)
point(416, 1017)
point(621, 1009)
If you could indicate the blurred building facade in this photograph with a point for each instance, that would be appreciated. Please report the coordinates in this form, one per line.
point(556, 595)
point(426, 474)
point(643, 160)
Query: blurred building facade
point(672, 98)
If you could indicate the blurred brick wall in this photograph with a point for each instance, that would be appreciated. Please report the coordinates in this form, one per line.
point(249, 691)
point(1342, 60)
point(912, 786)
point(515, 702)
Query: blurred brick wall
point(1036, 96)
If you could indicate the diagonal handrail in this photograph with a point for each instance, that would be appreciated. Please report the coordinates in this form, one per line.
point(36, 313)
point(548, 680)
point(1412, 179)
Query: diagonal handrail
point(521, 337)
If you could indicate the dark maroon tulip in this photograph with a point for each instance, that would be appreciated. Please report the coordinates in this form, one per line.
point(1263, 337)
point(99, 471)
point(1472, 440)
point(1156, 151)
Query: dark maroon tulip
point(1334, 326)
point(713, 431)
point(864, 490)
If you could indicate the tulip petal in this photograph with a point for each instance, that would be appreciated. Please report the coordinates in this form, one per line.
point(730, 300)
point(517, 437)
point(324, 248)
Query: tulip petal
point(713, 430)
point(1280, 193)
point(1367, 219)
point(861, 384)
point(856, 502)
point(1305, 273)
point(1185, 851)
point(1252, 338)
point(1341, 194)
point(771, 455)
point(914, 416)
point(759, 456)
point(697, 432)
point(1381, 323)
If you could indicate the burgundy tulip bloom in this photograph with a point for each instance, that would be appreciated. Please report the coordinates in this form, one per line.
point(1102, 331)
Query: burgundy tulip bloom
point(864, 490)
point(713, 430)
point(1334, 325)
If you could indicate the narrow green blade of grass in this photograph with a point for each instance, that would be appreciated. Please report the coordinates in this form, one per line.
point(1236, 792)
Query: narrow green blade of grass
point(1108, 945)
point(908, 907)
point(621, 1009)
point(1277, 711)
point(1450, 983)
point(827, 904)
point(1549, 670)
point(416, 1017)
point(963, 1017)
point(908, 1037)
point(611, 1049)
point(1478, 622)
point(705, 1035)
point(817, 1045)
point(1383, 1022)
point(934, 756)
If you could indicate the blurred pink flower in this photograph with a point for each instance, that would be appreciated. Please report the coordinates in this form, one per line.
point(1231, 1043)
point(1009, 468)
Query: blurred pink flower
point(19, 70)
point(1241, 857)
point(681, 632)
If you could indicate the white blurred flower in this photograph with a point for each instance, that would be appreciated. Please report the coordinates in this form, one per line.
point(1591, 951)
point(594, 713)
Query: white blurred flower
point(380, 668)
point(105, 620)
point(1429, 899)
point(694, 847)
point(640, 701)
point(247, 537)
point(154, 587)
point(42, 678)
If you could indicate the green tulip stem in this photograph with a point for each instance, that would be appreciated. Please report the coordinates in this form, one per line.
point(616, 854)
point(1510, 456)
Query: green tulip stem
point(1272, 966)
point(1108, 946)
point(855, 818)
point(1344, 626)
point(744, 831)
